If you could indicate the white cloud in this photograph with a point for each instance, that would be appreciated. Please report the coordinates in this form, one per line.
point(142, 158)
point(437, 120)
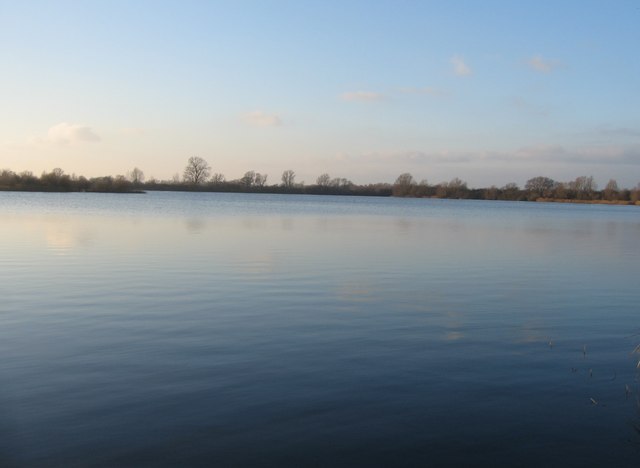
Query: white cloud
point(460, 68)
point(542, 65)
point(66, 133)
point(361, 96)
point(261, 119)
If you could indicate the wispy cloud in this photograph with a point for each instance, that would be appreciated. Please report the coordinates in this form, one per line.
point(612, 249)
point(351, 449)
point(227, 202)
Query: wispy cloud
point(365, 96)
point(555, 154)
point(262, 119)
point(542, 65)
point(460, 67)
point(609, 131)
point(595, 154)
point(65, 133)
point(408, 157)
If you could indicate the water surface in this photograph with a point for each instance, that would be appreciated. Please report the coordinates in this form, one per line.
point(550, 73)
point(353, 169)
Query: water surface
point(261, 330)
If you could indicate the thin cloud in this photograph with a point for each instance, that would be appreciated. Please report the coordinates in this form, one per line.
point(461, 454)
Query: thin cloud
point(596, 154)
point(365, 96)
point(542, 65)
point(460, 68)
point(66, 133)
point(609, 131)
point(556, 154)
point(262, 119)
point(605, 133)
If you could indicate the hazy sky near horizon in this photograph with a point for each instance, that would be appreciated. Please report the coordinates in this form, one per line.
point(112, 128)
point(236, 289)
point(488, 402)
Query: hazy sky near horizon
point(491, 92)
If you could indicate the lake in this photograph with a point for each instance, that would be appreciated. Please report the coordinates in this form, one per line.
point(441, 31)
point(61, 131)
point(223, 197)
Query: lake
point(204, 329)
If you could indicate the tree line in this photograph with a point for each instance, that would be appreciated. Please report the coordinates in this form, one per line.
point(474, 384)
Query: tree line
point(198, 176)
point(58, 181)
point(583, 188)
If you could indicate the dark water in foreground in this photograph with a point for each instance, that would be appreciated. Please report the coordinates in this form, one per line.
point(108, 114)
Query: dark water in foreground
point(174, 329)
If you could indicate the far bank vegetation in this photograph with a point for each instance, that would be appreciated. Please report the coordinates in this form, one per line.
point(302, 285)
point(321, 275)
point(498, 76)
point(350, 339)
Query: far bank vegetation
point(198, 176)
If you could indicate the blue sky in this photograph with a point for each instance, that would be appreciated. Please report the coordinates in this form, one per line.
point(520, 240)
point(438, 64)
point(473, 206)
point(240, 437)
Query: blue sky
point(492, 92)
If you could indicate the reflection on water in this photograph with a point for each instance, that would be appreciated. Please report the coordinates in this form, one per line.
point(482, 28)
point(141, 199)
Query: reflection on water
point(354, 291)
point(234, 330)
point(195, 225)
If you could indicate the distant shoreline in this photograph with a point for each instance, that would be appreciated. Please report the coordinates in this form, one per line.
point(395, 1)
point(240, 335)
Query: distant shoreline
point(41, 190)
point(588, 202)
point(197, 178)
point(201, 190)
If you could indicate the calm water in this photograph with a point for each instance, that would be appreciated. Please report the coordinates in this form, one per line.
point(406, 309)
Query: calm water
point(176, 329)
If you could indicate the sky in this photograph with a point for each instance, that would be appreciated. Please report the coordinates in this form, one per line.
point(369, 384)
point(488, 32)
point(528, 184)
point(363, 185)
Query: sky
point(491, 92)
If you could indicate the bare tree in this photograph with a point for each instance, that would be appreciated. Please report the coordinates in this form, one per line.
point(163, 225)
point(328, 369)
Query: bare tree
point(422, 189)
point(217, 178)
point(260, 179)
point(56, 178)
point(441, 189)
point(248, 179)
point(561, 190)
point(323, 180)
point(510, 191)
point(491, 193)
point(120, 183)
point(584, 187)
point(539, 187)
point(457, 188)
point(340, 182)
point(57, 173)
point(136, 176)
point(7, 177)
point(288, 178)
point(612, 190)
point(403, 185)
point(197, 171)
